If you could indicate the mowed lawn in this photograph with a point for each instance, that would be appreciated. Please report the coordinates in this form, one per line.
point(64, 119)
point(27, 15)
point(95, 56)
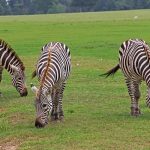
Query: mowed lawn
point(97, 110)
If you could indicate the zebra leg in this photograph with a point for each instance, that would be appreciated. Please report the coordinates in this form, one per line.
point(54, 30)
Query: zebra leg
point(133, 90)
point(54, 113)
point(57, 111)
point(148, 98)
point(60, 108)
point(1, 71)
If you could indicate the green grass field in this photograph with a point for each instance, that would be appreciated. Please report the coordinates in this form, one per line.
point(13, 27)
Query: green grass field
point(97, 110)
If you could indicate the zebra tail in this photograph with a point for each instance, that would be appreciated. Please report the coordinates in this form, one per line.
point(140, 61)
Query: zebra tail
point(33, 74)
point(111, 71)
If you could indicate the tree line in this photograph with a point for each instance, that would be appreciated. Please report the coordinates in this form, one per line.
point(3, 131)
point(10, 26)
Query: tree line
point(17, 7)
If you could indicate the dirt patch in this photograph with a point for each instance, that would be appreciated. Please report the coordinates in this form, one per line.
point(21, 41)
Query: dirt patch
point(2, 109)
point(9, 146)
point(17, 118)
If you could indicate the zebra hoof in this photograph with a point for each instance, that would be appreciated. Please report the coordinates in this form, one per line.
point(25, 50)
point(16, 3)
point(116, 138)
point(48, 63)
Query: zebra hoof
point(57, 117)
point(135, 112)
point(54, 118)
point(61, 118)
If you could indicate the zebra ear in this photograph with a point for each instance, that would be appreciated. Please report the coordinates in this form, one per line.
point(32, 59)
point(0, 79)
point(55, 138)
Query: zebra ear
point(34, 88)
point(14, 68)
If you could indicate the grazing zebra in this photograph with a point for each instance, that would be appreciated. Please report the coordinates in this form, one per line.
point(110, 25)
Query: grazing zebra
point(12, 63)
point(52, 70)
point(134, 61)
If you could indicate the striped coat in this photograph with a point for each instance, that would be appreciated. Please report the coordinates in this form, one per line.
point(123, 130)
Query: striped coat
point(52, 69)
point(134, 61)
point(13, 64)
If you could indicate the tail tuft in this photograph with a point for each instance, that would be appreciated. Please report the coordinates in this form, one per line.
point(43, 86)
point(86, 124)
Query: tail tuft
point(33, 74)
point(112, 71)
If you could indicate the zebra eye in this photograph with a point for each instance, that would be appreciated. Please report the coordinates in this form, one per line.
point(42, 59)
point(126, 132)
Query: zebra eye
point(44, 105)
point(19, 78)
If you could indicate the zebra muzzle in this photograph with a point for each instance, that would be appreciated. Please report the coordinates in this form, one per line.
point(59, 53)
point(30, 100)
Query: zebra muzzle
point(39, 124)
point(24, 93)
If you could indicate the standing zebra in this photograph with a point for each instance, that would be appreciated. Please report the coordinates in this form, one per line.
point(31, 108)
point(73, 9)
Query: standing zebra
point(52, 70)
point(12, 63)
point(134, 61)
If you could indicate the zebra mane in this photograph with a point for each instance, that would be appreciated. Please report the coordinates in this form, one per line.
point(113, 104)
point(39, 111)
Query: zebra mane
point(46, 70)
point(8, 47)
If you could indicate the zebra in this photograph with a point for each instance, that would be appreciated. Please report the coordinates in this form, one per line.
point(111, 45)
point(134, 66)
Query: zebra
point(10, 61)
point(134, 61)
point(52, 69)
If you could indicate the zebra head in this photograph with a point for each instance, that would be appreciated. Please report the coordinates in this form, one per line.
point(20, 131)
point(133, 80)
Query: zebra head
point(43, 105)
point(18, 80)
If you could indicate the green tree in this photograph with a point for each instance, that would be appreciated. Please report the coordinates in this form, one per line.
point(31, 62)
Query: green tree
point(41, 6)
point(19, 6)
point(123, 4)
point(82, 5)
point(57, 8)
point(3, 7)
point(105, 5)
point(148, 4)
point(27, 6)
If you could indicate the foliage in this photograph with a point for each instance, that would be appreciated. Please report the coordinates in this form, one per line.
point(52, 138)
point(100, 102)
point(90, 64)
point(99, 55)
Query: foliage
point(59, 6)
point(82, 5)
point(3, 7)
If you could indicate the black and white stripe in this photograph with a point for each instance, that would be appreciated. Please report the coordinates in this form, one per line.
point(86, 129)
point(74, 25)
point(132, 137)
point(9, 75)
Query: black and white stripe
point(134, 61)
point(52, 70)
point(12, 63)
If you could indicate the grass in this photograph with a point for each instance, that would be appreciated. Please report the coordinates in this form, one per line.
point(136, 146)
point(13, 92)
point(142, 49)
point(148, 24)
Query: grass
point(97, 110)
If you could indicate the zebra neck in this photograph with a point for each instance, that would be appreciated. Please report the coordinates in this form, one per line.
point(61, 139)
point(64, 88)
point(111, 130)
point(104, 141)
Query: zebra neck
point(7, 61)
point(7, 66)
point(9, 69)
point(8, 56)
